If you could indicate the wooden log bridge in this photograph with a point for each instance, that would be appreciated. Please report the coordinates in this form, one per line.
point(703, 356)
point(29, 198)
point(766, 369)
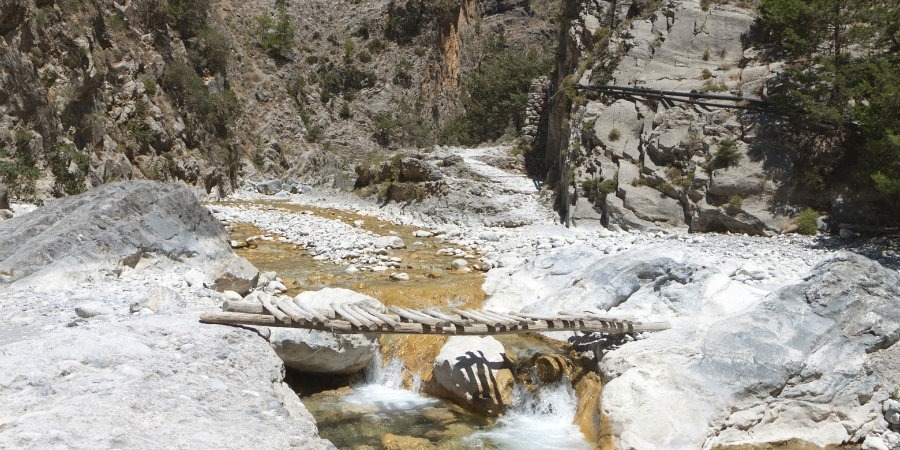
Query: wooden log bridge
point(361, 319)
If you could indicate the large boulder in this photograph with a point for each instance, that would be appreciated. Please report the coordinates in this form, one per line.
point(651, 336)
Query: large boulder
point(814, 361)
point(474, 372)
point(119, 360)
point(709, 218)
point(651, 205)
point(112, 226)
point(320, 352)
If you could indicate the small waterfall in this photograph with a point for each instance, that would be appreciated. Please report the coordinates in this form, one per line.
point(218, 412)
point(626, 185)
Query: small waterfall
point(541, 419)
point(383, 389)
point(387, 375)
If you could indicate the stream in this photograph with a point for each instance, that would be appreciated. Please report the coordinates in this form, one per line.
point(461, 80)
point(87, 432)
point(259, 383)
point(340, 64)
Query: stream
point(364, 413)
point(382, 406)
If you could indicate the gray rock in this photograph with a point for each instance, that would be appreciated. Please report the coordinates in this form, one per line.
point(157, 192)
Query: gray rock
point(389, 242)
point(795, 364)
point(652, 205)
point(459, 263)
point(147, 380)
point(159, 299)
point(709, 218)
point(104, 226)
point(585, 214)
point(299, 188)
point(874, 443)
point(891, 409)
point(236, 274)
point(472, 371)
point(6, 214)
point(90, 309)
point(618, 214)
point(417, 171)
point(320, 352)
point(628, 173)
point(615, 129)
point(400, 276)
point(270, 187)
point(745, 179)
point(847, 233)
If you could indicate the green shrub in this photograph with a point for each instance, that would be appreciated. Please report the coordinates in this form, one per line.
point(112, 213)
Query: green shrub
point(727, 154)
point(186, 16)
point(296, 89)
point(209, 51)
point(364, 57)
point(207, 112)
point(315, 133)
point(406, 20)
point(596, 188)
point(807, 222)
point(345, 111)
point(149, 85)
point(735, 203)
point(614, 134)
point(276, 35)
point(348, 49)
point(343, 80)
point(376, 46)
point(403, 73)
point(20, 174)
point(136, 127)
point(404, 127)
point(713, 86)
point(495, 94)
point(69, 167)
point(706, 74)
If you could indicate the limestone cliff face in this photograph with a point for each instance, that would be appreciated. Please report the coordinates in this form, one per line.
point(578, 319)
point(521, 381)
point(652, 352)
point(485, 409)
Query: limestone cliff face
point(633, 163)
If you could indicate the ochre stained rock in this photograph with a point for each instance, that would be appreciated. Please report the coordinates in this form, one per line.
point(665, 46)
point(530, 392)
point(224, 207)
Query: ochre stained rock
point(396, 442)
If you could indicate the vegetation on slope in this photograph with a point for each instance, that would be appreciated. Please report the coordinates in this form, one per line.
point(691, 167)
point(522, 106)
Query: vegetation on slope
point(842, 90)
point(494, 95)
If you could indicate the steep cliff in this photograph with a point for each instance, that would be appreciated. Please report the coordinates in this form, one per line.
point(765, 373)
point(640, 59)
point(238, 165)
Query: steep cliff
point(210, 92)
point(644, 157)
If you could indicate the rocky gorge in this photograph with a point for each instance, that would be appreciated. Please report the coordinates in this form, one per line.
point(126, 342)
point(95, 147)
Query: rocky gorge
point(164, 159)
point(772, 338)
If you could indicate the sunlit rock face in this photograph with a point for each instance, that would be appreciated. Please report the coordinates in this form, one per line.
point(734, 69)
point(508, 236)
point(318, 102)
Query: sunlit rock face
point(472, 371)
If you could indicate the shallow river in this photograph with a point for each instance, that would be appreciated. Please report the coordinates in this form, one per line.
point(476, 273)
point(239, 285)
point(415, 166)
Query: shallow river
point(382, 408)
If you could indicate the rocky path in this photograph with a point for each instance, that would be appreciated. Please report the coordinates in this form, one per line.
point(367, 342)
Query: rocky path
point(505, 180)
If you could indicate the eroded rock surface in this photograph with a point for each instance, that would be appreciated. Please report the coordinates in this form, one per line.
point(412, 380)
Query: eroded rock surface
point(115, 357)
point(97, 233)
point(757, 352)
point(322, 352)
point(473, 371)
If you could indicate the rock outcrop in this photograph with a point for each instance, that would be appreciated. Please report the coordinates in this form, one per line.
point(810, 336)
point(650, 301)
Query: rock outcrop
point(115, 357)
point(675, 165)
point(473, 371)
point(754, 355)
point(105, 229)
point(321, 352)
